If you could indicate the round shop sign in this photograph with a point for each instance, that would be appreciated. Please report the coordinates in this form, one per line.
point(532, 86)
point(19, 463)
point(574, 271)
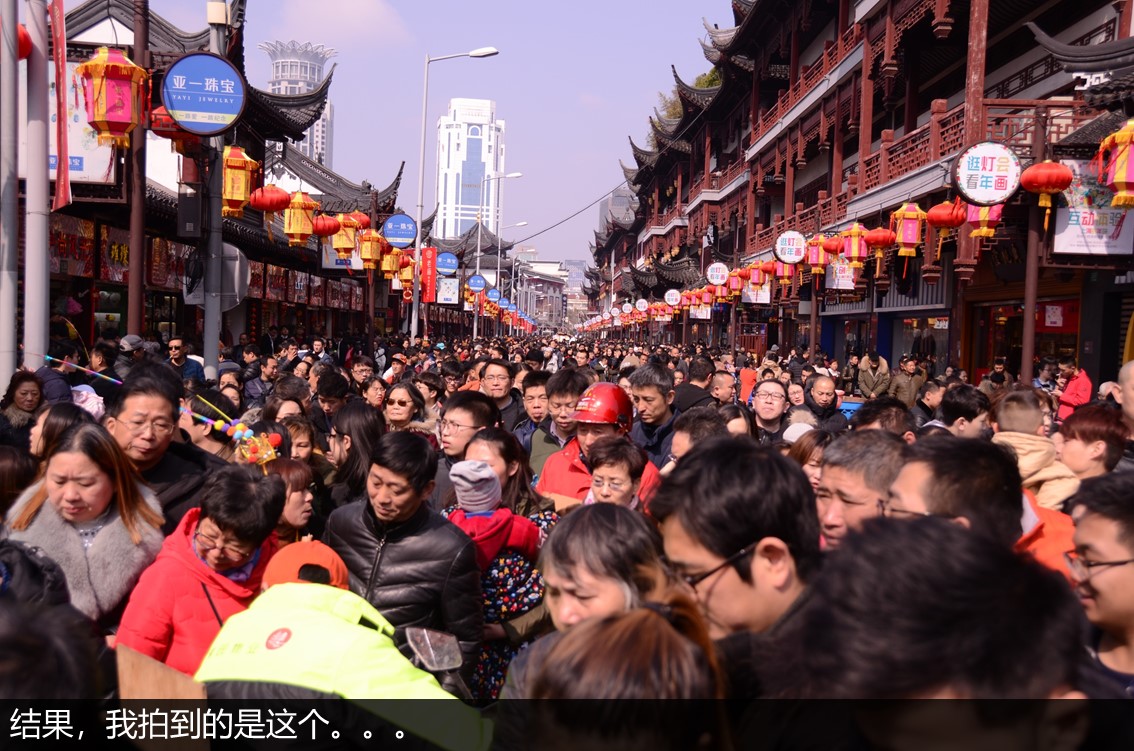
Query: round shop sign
point(512, 307)
point(986, 173)
point(477, 283)
point(504, 301)
point(400, 231)
point(493, 295)
point(642, 305)
point(615, 310)
point(790, 247)
point(717, 273)
point(672, 297)
point(204, 93)
point(446, 264)
point(606, 316)
point(627, 307)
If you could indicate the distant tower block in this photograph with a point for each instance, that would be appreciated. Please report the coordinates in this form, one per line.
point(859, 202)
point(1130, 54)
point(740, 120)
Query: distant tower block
point(470, 147)
point(299, 69)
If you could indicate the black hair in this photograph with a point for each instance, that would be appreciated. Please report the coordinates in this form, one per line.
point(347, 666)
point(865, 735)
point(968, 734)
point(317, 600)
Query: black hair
point(333, 386)
point(408, 455)
point(536, 379)
point(891, 414)
point(730, 412)
point(928, 388)
point(48, 653)
point(567, 382)
point(108, 351)
point(431, 381)
point(974, 479)
point(779, 384)
point(223, 411)
point(314, 573)
point(701, 423)
point(252, 349)
point(615, 450)
point(964, 401)
point(501, 364)
point(1109, 496)
point(242, 501)
point(147, 382)
point(292, 387)
point(270, 427)
point(58, 349)
point(481, 407)
point(700, 369)
point(365, 426)
point(415, 396)
point(901, 595)
point(729, 493)
point(654, 375)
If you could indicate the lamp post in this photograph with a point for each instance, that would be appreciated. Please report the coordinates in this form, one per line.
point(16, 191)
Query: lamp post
point(478, 52)
point(499, 241)
point(479, 225)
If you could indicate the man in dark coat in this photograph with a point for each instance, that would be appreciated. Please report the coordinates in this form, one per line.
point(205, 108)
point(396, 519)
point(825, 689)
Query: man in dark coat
point(820, 401)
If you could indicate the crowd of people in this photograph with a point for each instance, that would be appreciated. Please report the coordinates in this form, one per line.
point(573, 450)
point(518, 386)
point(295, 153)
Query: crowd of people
point(589, 519)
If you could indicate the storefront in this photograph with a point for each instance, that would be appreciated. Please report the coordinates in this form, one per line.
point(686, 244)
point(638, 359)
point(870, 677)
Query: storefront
point(998, 331)
point(164, 306)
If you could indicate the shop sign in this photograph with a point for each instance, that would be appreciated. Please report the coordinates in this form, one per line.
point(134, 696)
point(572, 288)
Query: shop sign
point(448, 290)
point(672, 297)
point(717, 273)
point(701, 312)
point(204, 93)
point(428, 275)
point(315, 291)
point(277, 284)
point(400, 231)
point(759, 295)
point(477, 283)
point(114, 255)
point(356, 296)
point(493, 295)
point(72, 246)
point(642, 305)
point(297, 289)
point(986, 173)
point(330, 260)
point(255, 279)
point(840, 275)
point(167, 264)
point(627, 308)
point(790, 247)
point(1085, 224)
point(446, 264)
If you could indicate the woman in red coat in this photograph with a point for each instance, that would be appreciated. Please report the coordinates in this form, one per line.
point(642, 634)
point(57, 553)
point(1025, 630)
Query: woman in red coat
point(207, 570)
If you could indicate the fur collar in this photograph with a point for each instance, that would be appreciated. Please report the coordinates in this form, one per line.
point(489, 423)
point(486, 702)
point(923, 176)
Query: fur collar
point(18, 417)
point(100, 578)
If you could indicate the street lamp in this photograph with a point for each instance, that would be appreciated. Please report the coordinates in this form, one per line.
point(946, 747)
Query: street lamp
point(478, 52)
point(499, 241)
point(479, 224)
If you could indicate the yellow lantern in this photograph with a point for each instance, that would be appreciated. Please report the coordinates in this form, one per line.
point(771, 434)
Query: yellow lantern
point(391, 262)
point(908, 221)
point(238, 171)
point(112, 88)
point(370, 247)
point(346, 239)
point(298, 217)
point(405, 273)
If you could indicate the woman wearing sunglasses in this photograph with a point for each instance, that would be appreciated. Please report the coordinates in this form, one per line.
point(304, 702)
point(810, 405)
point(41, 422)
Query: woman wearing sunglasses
point(404, 409)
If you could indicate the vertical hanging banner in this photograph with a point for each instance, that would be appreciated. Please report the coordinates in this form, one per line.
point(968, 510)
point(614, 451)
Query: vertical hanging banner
point(428, 275)
point(59, 57)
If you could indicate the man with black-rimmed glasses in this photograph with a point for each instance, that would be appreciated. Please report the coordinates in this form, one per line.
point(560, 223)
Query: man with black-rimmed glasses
point(769, 402)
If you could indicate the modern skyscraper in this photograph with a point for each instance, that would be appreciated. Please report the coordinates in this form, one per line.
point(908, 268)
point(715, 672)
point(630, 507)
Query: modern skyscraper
point(619, 205)
point(298, 69)
point(470, 147)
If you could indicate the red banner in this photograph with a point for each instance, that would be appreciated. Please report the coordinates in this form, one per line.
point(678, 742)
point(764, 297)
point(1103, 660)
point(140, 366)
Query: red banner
point(429, 275)
point(59, 56)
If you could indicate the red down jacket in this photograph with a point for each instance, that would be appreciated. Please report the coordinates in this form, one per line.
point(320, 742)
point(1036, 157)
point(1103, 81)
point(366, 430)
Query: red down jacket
point(169, 617)
point(492, 531)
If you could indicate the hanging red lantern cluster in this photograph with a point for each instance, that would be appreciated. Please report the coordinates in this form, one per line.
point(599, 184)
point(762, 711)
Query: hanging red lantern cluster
point(112, 88)
point(1046, 178)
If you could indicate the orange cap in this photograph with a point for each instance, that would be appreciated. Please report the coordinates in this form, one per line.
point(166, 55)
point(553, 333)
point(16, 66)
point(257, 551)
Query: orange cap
point(286, 563)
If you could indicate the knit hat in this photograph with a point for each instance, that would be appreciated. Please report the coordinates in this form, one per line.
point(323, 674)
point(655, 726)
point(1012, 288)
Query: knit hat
point(285, 564)
point(478, 488)
point(796, 431)
point(130, 342)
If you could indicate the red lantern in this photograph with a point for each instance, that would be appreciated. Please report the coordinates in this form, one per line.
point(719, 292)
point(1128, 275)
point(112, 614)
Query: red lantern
point(984, 219)
point(162, 124)
point(854, 244)
point(833, 245)
point(1047, 178)
point(112, 88)
point(768, 267)
point(880, 238)
point(324, 225)
point(1115, 167)
point(908, 220)
point(362, 218)
point(744, 273)
point(23, 42)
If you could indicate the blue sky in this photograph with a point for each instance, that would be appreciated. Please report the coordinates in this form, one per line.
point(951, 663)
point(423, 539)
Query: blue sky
point(572, 80)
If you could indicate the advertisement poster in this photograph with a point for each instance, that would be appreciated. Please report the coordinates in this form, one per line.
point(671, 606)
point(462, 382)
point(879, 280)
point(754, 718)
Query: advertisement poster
point(167, 265)
point(255, 279)
point(840, 275)
point(448, 290)
point(428, 275)
point(298, 287)
point(1085, 224)
point(277, 284)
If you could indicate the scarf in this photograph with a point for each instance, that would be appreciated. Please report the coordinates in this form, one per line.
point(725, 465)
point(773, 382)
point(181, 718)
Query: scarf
point(18, 417)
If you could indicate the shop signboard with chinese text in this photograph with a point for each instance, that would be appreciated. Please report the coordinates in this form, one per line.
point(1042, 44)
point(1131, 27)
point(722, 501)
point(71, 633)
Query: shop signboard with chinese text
point(114, 255)
point(167, 265)
point(790, 247)
point(297, 287)
point(986, 173)
point(204, 93)
point(72, 246)
point(757, 295)
point(447, 264)
point(256, 279)
point(356, 296)
point(330, 259)
point(315, 291)
point(428, 275)
point(1085, 224)
point(400, 231)
point(717, 273)
point(276, 284)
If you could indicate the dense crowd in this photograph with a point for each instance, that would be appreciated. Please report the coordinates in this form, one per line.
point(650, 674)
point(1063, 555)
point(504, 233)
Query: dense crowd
point(589, 520)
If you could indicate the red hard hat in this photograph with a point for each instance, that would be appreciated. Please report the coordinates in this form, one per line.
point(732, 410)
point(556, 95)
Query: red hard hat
point(605, 404)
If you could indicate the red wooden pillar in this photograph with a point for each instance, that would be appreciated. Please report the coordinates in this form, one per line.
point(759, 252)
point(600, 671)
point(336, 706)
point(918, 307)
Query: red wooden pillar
point(866, 106)
point(793, 76)
point(789, 178)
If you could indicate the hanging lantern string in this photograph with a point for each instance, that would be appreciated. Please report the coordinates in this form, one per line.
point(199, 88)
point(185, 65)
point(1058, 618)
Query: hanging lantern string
point(88, 371)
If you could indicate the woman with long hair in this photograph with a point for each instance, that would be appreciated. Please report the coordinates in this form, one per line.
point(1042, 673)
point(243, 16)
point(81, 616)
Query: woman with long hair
point(807, 452)
point(92, 514)
point(298, 520)
point(19, 408)
point(354, 435)
point(502, 451)
point(738, 419)
point(52, 423)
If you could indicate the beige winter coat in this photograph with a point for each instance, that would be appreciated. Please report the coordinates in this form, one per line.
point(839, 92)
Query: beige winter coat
point(1049, 479)
point(873, 383)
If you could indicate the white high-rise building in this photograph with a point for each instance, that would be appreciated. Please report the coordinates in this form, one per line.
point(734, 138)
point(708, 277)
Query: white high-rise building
point(299, 69)
point(470, 147)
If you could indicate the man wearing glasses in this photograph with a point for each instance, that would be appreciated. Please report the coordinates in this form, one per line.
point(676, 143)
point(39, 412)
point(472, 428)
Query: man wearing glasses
point(464, 415)
point(769, 403)
point(143, 418)
point(739, 525)
point(497, 383)
point(189, 370)
point(977, 483)
point(1102, 570)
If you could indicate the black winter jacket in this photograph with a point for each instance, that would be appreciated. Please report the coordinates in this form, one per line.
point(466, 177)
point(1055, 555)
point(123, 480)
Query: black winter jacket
point(421, 572)
point(177, 480)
